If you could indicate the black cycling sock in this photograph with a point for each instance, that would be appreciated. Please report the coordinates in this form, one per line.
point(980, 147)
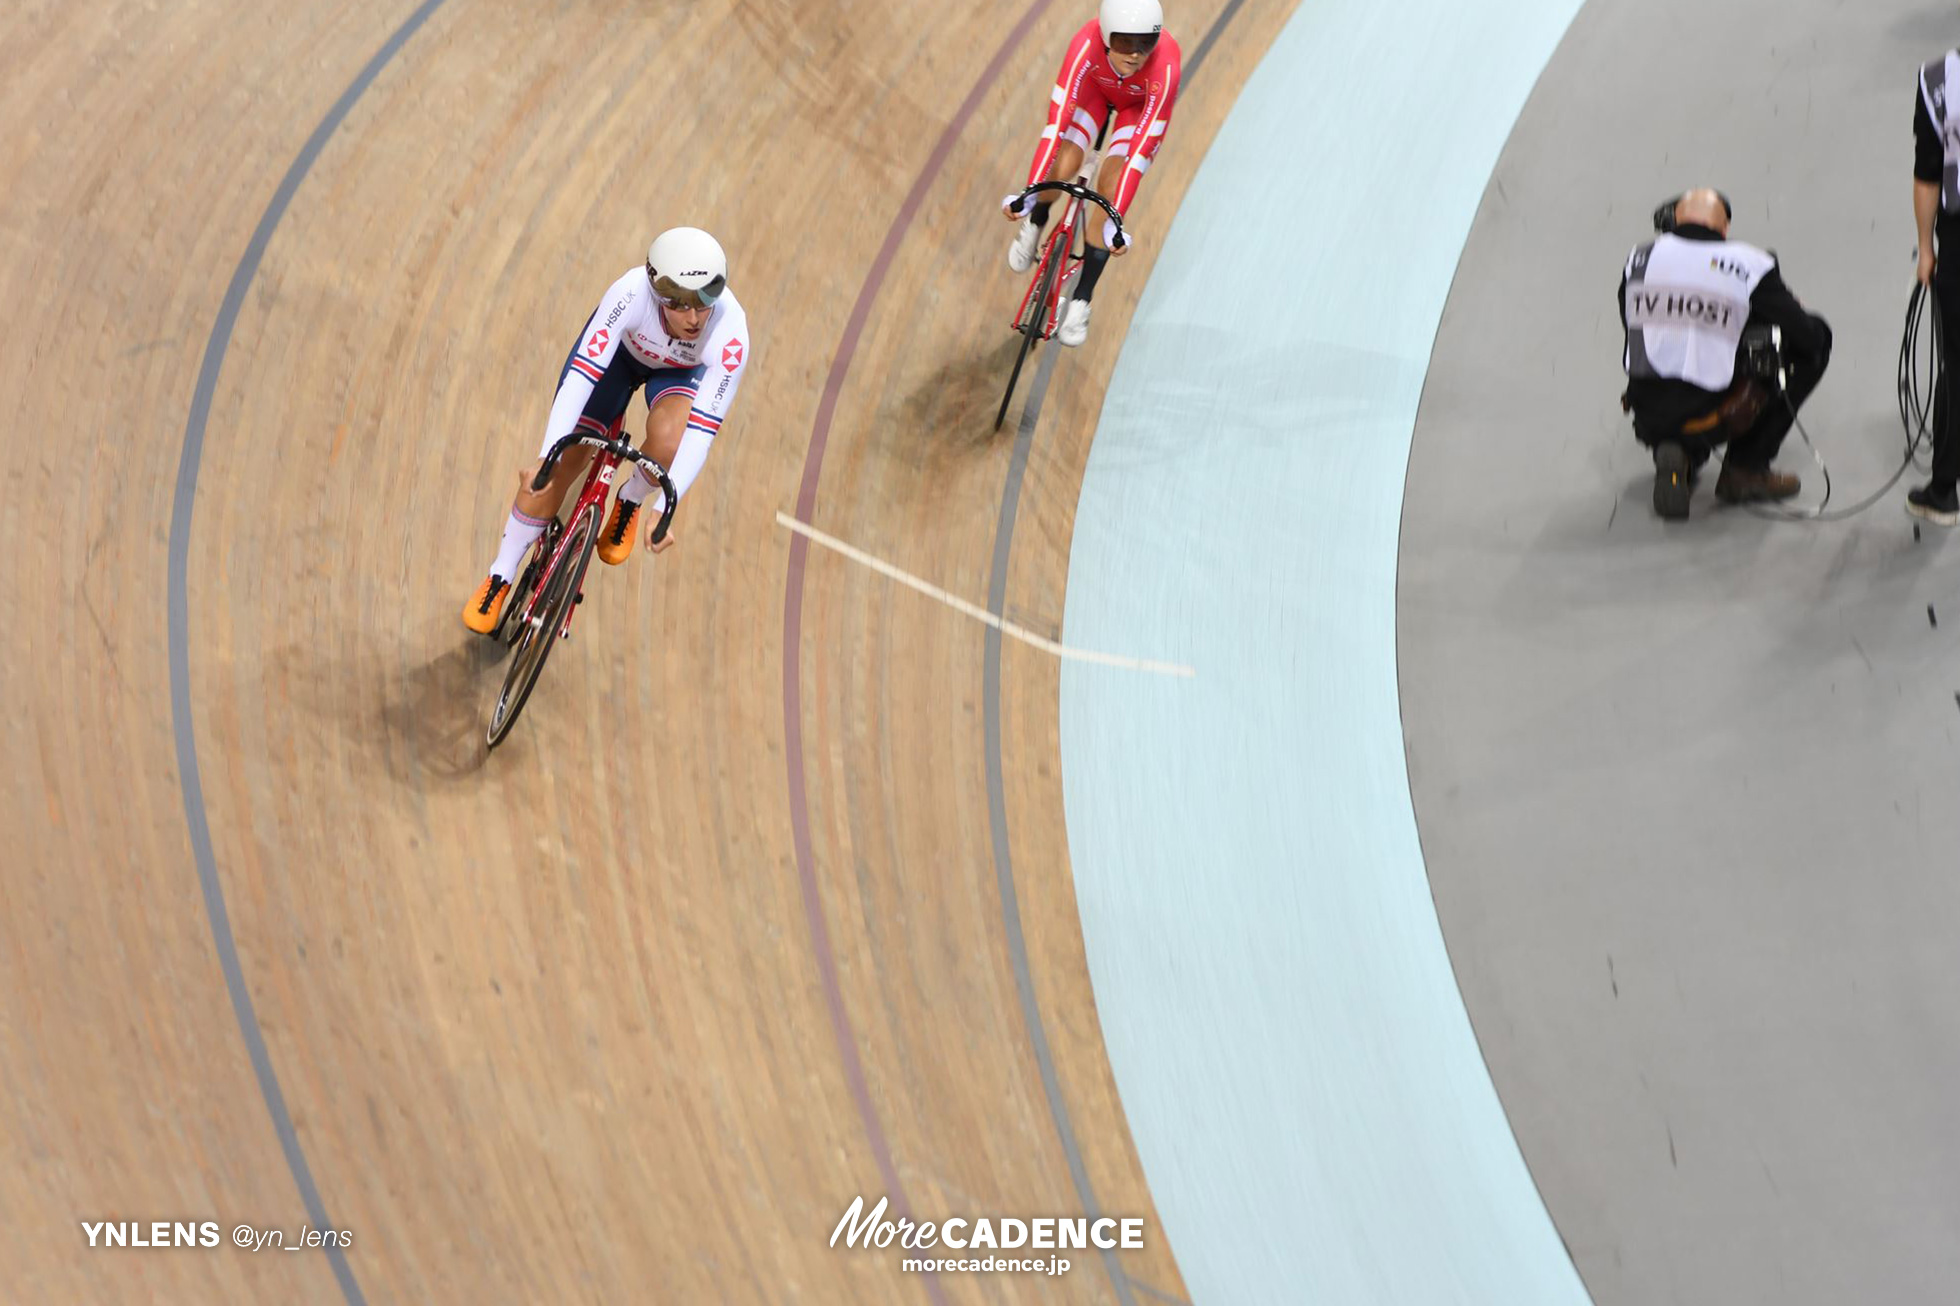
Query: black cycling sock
point(1094, 260)
point(1040, 214)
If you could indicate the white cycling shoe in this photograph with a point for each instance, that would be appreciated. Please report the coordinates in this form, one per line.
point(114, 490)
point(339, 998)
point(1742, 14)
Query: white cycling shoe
point(1075, 323)
point(1020, 255)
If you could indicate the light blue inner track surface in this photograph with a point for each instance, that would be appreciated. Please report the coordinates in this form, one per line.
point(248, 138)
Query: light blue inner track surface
point(1314, 1116)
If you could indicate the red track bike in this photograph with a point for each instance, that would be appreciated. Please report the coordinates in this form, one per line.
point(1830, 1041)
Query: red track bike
point(1061, 254)
point(538, 612)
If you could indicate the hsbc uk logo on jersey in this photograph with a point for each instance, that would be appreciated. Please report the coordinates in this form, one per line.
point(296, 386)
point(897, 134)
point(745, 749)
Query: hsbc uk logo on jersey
point(731, 355)
point(597, 345)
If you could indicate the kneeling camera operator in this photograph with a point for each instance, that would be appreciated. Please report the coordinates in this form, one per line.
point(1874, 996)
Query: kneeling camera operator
point(1718, 351)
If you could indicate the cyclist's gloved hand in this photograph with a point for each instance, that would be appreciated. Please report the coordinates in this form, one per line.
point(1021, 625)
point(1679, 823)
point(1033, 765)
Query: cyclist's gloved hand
point(1017, 205)
point(1109, 238)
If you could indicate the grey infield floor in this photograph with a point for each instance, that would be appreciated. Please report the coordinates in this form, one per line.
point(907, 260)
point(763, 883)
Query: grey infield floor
point(1690, 796)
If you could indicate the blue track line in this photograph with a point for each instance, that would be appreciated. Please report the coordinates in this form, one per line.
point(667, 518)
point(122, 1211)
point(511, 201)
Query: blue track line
point(181, 511)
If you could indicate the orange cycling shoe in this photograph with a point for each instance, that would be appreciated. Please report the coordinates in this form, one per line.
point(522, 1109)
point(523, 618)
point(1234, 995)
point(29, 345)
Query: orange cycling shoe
point(616, 544)
point(486, 605)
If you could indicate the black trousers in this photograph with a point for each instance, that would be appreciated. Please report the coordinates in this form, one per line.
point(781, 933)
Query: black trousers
point(1676, 411)
point(1946, 294)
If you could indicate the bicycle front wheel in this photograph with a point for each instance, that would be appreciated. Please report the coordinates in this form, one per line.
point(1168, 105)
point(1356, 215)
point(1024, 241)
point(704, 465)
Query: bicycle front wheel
point(539, 632)
point(1031, 331)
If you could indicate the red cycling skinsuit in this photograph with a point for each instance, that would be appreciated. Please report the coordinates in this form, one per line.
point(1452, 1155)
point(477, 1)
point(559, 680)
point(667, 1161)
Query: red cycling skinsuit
point(1088, 88)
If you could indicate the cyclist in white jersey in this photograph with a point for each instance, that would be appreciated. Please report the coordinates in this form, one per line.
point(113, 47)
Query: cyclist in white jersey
point(671, 327)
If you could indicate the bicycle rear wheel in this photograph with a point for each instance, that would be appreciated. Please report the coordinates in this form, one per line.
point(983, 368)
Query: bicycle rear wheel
point(1051, 263)
point(538, 635)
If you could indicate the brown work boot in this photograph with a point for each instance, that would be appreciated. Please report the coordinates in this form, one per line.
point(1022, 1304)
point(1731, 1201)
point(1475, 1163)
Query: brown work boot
point(1754, 485)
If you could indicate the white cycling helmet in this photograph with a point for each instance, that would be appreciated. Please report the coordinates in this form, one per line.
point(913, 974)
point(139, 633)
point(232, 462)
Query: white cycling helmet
point(1130, 18)
point(686, 264)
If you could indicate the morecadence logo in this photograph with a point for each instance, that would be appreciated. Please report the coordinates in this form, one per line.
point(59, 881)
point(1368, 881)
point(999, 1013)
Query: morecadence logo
point(871, 1230)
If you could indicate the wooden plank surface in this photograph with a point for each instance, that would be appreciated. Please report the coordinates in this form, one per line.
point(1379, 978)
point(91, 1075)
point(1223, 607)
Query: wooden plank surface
point(551, 1026)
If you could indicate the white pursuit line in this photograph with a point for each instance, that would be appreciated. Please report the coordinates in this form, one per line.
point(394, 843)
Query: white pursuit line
point(980, 614)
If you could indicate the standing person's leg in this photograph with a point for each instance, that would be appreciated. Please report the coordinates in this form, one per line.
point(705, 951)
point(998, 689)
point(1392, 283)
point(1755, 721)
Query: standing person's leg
point(1938, 501)
point(1946, 416)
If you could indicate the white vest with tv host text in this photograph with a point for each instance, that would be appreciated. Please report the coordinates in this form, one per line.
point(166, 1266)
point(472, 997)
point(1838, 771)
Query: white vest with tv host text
point(1686, 305)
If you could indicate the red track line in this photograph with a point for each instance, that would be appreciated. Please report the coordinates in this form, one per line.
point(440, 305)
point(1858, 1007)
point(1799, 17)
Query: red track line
point(799, 552)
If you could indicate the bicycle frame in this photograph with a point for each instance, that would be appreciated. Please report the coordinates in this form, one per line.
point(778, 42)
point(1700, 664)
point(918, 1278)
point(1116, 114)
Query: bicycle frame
point(610, 452)
point(1061, 243)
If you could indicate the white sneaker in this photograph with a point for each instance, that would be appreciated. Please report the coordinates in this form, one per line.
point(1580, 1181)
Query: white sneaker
point(1075, 323)
point(1020, 255)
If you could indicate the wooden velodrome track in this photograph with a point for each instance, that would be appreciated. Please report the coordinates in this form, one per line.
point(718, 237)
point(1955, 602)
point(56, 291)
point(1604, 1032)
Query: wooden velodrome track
point(631, 1010)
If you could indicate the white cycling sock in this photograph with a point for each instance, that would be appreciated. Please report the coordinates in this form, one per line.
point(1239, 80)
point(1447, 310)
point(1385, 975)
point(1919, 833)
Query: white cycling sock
point(520, 533)
point(638, 486)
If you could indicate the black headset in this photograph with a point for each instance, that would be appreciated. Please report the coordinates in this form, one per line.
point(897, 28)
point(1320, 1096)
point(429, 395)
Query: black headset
point(1664, 215)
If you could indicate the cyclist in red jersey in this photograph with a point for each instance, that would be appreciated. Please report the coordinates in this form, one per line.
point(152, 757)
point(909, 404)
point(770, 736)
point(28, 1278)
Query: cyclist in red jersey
point(1122, 63)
